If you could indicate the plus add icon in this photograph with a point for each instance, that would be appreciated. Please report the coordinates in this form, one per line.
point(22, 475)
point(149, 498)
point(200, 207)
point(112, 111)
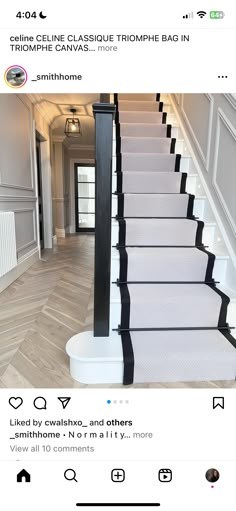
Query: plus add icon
point(117, 475)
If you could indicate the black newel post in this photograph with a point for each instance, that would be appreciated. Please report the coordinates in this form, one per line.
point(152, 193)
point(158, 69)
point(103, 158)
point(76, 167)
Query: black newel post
point(103, 113)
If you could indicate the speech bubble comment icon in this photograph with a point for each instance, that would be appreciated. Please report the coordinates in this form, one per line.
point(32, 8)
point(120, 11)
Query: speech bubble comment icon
point(40, 403)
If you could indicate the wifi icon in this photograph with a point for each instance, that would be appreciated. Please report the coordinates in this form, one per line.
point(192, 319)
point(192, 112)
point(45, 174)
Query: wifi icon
point(201, 14)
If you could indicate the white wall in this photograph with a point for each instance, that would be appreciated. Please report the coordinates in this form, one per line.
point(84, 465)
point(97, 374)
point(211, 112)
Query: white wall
point(17, 170)
point(210, 120)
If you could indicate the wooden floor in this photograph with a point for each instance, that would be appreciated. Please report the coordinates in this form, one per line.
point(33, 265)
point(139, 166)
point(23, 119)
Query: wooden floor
point(41, 310)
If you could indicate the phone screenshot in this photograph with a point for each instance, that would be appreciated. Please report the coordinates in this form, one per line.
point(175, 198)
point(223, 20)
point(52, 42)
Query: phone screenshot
point(117, 256)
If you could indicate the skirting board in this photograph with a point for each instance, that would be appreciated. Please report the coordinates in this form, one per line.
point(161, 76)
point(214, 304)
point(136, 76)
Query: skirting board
point(96, 360)
point(21, 268)
point(60, 233)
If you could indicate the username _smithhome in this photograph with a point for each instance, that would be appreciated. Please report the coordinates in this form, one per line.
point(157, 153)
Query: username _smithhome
point(57, 76)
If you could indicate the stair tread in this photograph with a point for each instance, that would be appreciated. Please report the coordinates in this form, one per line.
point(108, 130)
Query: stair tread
point(161, 231)
point(182, 356)
point(169, 343)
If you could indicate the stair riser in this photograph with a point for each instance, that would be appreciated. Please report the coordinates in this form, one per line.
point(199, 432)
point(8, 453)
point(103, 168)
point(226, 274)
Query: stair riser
point(148, 162)
point(158, 232)
point(146, 145)
point(142, 130)
point(136, 97)
point(141, 117)
point(148, 269)
point(170, 306)
point(138, 106)
point(136, 205)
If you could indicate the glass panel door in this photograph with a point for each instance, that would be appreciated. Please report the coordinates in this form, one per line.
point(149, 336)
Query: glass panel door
point(85, 197)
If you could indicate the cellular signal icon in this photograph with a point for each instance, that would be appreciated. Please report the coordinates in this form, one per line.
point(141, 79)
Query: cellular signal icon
point(188, 16)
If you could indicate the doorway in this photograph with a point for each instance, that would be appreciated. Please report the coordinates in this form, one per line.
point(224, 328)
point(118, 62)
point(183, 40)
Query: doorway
point(84, 197)
point(40, 194)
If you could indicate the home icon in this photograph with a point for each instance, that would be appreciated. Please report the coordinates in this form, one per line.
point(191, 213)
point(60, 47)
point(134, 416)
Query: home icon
point(23, 476)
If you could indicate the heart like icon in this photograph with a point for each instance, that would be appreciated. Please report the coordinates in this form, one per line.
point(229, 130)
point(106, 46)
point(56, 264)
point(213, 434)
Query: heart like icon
point(15, 402)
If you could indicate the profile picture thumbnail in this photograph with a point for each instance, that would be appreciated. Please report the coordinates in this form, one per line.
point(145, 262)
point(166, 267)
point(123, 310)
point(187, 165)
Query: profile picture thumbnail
point(15, 76)
point(212, 475)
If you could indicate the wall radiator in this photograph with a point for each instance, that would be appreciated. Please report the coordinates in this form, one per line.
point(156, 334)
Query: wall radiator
point(8, 258)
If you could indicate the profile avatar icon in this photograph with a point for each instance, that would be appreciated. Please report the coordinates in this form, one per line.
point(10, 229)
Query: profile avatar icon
point(212, 475)
point(15, 77)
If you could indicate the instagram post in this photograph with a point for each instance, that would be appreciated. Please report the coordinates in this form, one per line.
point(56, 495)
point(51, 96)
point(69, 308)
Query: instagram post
point(117, 256)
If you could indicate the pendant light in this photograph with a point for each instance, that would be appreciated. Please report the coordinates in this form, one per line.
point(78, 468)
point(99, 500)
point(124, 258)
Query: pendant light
point(72, 125)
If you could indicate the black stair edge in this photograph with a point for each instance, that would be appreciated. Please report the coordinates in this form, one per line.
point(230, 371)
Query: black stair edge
point(158, 96)
point(160, 106)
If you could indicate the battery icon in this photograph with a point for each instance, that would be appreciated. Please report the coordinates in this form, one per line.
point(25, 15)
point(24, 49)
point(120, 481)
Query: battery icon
point(217, 15)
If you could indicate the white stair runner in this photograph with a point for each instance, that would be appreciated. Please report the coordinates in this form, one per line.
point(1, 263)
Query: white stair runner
point(172, 317)
point(143, 130)
point(146, 264)
point(173, 305)
point(151, 182)
point(163, 231)
point(146, 144)
point(182, 356)
point(150, 162)
point(163, 205)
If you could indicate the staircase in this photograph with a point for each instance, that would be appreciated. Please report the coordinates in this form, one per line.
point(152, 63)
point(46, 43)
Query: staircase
point(166, 307)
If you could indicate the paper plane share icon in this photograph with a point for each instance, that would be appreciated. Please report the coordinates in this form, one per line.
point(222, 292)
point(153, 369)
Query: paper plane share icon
point(64, 401)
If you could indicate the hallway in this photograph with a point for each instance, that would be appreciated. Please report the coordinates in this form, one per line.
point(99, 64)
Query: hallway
point(42, 309)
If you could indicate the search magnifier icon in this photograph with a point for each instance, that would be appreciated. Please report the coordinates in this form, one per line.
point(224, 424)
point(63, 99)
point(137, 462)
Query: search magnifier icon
point(70, 475)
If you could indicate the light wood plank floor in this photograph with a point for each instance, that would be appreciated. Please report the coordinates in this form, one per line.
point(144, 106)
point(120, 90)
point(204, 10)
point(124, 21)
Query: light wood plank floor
point(41, 310)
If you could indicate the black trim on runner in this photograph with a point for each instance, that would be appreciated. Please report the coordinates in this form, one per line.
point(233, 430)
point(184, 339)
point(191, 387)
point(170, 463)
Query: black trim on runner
point(128, 358)
point(118, 144)
point(122, 231)
point(177, 162)
point(117, 130)
point(190, 205)
point(164, 117)
point(210, 264)
point(118, 162)
point(119, 183)
point(158, 97)
point(198, 239)
point(183, 183)
point(224, 305)
point(123, 264)
point(120, 209)
point(160, 106)
point(172, 145)
point(125, 306)
point(168, 130)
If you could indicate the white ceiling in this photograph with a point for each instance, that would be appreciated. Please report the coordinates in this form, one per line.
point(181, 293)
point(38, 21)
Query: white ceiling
point(56, 108)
